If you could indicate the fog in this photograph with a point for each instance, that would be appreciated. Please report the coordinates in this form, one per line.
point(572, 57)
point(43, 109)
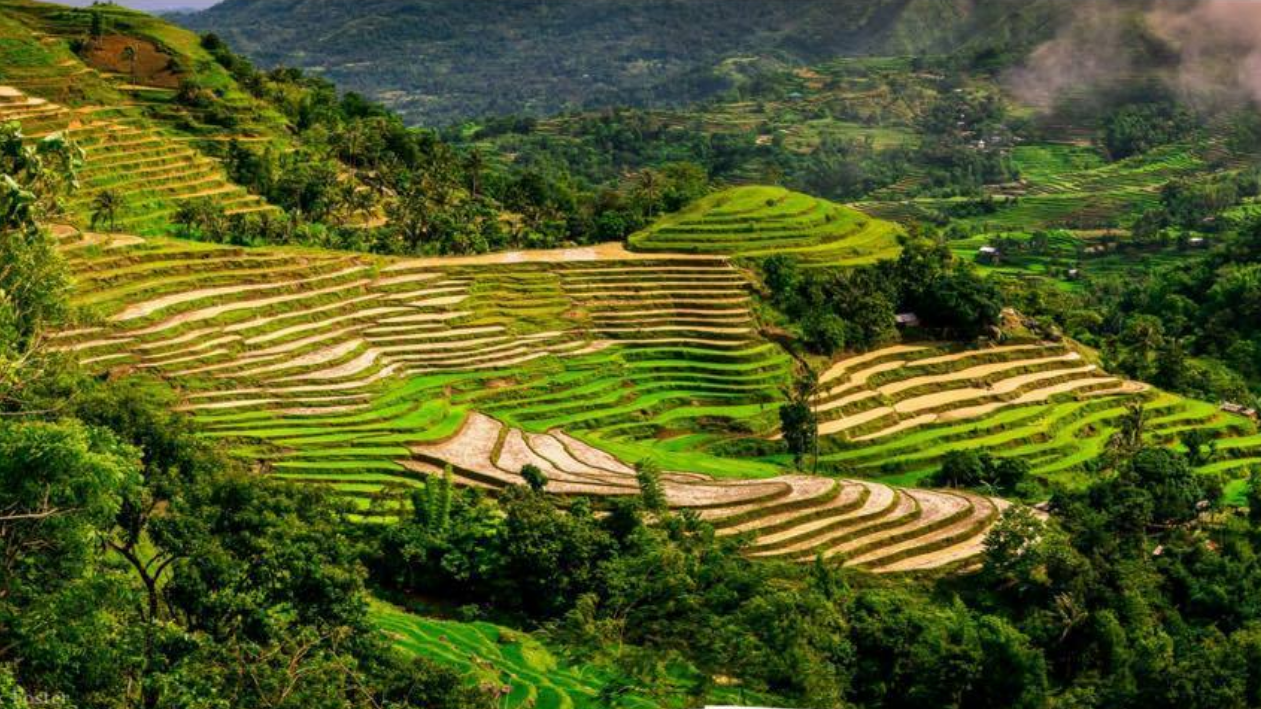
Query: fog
point(1206, 51)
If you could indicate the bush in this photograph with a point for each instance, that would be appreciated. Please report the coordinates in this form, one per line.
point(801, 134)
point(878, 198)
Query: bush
point(979, 469)
point(1137, 128)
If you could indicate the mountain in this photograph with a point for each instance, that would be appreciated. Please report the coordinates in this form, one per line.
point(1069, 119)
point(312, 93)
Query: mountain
point(153, 5)
point(442, 61)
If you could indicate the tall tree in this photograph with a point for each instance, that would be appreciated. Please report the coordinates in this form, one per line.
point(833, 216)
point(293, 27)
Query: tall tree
point(651, 493)
point(474, 166)
point(105, 206)
point(1128, 440)
point(798, 421)
point(129, 56)
point(648, 191)
point(34, 283)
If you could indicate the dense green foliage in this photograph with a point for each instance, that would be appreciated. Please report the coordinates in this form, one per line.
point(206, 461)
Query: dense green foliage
point(360, 179)
point(33, 281)
point(165, 578)
point(808, 135)
point(643, 598)
point(1189, 326)
point(1117, 601)
point(979, 469)
point(1137, 128)
point(854, 309)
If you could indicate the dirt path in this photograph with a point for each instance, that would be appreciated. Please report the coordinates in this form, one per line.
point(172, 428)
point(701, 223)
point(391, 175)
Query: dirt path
point(1006, 386)
point(614, 251)
point(828, 428)
point(310, 359)
point(937, 507)
point(977, 372)
point(218, 310)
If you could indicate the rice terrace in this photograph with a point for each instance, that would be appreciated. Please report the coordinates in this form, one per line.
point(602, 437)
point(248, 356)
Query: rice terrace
point(893, 354)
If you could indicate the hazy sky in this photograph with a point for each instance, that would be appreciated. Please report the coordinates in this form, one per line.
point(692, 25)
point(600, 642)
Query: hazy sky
point(150, 5)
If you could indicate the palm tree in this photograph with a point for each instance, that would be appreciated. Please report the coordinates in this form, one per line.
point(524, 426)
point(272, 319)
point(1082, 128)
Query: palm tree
point(129, 56)
point(1127, 441)
point(474, 164)
point(648, 189)
point(354, 141)
point(105, 207)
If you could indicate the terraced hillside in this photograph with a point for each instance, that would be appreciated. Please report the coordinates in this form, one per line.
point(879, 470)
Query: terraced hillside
point(497, 657)
point(42, 65)
point(862, 524)
point(371, 375)
point(48, 50)
point(152, 172)
point(894, 413)
point(1069, 186)
point(760, 221)
point(523, 669)
point(267, 317)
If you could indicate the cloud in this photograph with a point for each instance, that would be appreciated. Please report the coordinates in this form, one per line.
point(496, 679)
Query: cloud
point(1219, 42)
point(1206, 51)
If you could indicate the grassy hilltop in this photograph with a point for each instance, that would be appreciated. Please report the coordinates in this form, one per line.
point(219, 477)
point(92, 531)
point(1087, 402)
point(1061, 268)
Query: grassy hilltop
point(760, 221)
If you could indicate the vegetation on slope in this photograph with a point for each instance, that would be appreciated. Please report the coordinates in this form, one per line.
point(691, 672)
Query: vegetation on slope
point(579, 395)
point(180, 131)
point(761, 221)
point(614, 52)
point(141, 567)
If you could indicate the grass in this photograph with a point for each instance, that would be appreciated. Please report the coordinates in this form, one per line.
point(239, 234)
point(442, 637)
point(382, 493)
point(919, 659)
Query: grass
point(688, 461)
point(529, 673)
point(343, 371)
point(139, 141)
point(759, 221)
point(681, 398)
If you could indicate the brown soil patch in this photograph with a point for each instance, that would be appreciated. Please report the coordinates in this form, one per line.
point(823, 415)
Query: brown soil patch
point(151, 66)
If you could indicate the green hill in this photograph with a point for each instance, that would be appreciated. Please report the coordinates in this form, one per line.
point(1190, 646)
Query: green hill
point(761, 221)
point(111, 79)
point(370, 375)
point(107, 55)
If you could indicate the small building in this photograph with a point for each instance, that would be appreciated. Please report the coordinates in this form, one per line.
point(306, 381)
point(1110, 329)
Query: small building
point(1197, 242)
point(906, 320)
point(1074, 274)
point(989, 254)
point(1240, 409)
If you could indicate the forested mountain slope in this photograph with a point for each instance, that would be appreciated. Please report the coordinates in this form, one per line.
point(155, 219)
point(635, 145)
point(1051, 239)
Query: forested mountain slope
point(438, 61)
